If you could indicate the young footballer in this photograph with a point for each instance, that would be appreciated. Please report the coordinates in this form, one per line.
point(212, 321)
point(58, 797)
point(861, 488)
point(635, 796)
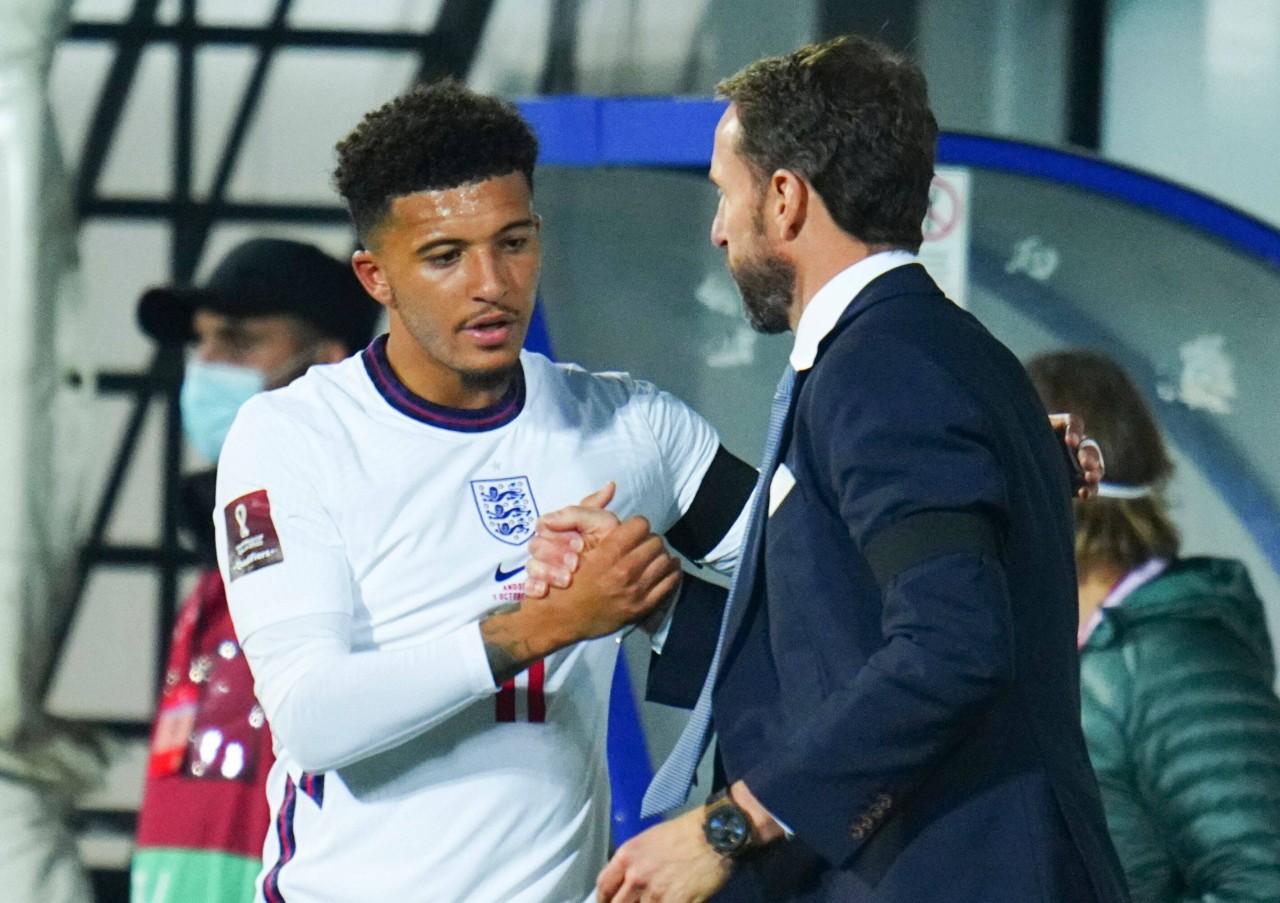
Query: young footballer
point(438, 738)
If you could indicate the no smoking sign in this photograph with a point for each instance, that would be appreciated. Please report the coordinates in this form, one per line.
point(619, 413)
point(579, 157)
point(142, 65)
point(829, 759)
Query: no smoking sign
point(945, 252)
point(945, 209)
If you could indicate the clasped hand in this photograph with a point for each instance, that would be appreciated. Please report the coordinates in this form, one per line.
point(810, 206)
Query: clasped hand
point(619, 570)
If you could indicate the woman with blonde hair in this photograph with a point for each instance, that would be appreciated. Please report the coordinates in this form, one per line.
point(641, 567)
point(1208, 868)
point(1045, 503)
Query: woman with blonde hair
point(1176, 667)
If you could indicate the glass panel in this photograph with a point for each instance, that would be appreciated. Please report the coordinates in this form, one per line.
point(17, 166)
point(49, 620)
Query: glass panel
point(631, 282)
point(1195, 320)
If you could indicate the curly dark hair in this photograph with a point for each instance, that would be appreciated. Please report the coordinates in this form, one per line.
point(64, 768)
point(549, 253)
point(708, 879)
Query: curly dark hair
point(434, 136)
point(852, 117)
point(1119, 533)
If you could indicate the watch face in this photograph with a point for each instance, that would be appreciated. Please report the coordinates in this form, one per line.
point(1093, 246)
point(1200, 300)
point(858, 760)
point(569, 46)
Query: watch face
point(726, 829)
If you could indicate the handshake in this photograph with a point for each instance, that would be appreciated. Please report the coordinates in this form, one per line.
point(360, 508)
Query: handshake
point(598, 572)
point(591, 575)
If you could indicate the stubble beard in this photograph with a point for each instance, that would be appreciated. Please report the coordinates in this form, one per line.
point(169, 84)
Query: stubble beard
point(487, 380)
point(767, 284)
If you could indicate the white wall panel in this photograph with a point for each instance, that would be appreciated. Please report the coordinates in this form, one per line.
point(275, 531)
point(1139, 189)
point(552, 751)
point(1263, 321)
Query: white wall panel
point(1192, 92)
point(313, 99)
point(139, 162)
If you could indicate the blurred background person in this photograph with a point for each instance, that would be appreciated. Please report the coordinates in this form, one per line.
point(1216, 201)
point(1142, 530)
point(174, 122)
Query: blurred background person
point(1181, 722)
point(47, 763)
point(270, 310)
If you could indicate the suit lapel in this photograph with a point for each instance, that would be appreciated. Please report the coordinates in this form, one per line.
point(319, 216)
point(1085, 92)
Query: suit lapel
point(745, 584)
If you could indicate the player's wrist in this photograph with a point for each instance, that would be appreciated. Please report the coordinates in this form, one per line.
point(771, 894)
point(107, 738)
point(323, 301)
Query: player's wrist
point(565, 617)
point(514, 638)
point(546, 627)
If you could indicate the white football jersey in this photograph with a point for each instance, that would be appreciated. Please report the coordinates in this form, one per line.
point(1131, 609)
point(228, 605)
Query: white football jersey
point(345, 494)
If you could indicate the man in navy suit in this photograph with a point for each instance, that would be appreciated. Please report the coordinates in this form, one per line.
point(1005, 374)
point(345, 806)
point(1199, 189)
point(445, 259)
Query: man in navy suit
point(895, 691)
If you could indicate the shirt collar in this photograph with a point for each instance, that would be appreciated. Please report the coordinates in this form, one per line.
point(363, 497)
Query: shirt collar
point(820, 317)
point(413, 405)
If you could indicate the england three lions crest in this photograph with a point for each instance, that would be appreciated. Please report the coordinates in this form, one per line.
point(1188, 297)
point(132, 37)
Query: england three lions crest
point(506, 507)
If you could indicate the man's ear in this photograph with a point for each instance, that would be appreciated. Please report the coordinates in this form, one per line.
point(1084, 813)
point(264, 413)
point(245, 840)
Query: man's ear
point(787, 200)
point(371, 276)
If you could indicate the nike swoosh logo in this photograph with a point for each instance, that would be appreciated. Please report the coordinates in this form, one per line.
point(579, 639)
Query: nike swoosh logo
point(499, 575)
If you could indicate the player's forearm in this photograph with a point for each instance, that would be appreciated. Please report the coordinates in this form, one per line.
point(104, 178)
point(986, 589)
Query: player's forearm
point(515, 636)
point(330, 707)
point(623, 579)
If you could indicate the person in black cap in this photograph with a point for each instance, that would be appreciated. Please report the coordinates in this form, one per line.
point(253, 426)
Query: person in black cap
point(271, 309)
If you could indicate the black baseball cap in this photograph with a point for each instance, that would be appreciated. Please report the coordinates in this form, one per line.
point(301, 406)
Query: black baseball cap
point(262, 277)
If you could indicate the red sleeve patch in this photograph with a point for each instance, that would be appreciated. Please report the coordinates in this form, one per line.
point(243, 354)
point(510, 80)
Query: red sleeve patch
point(252, 542)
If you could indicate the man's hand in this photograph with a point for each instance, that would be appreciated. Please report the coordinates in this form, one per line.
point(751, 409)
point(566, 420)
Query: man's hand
point(562, 535)
point(558, 544)
point(619, 580)
point(671, 863)
point(1083, 450)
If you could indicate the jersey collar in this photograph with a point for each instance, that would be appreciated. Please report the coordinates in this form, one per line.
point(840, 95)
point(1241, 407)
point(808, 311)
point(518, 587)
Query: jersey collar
point(409, 403)
point(825, 308)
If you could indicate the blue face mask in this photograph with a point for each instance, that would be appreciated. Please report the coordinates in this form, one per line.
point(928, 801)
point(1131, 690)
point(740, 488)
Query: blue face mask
point(211, 396)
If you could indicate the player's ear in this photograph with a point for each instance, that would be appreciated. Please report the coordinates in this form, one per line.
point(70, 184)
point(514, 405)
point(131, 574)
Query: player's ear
point(371, 275)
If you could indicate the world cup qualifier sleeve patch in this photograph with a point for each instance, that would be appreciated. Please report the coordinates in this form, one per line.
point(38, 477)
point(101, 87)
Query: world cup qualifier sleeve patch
point(252, 542)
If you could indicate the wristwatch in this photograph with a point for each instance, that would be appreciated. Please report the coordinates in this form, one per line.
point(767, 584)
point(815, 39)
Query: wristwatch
point(727, 828)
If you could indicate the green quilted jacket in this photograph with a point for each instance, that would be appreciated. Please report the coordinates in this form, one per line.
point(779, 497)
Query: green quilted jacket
point(1184, 733)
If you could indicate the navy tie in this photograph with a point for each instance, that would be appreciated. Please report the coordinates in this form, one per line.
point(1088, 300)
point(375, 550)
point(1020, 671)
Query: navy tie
point(670, 786)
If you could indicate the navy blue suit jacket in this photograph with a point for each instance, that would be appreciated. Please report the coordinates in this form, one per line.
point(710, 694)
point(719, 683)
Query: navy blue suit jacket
point(901, 684)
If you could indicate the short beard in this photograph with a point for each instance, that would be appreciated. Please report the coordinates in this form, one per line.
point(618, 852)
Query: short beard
point(489, 380)
point(471, 380)
point(767, 284)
